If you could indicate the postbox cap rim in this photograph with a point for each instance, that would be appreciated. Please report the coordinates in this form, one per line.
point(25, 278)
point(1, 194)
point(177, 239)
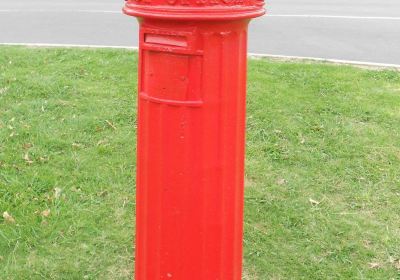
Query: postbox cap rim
point(194, 13)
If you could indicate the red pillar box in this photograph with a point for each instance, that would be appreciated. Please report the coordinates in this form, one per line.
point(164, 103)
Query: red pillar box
point(191, 137)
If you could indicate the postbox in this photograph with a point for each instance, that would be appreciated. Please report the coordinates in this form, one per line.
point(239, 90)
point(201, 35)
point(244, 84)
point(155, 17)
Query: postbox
point(191, 137)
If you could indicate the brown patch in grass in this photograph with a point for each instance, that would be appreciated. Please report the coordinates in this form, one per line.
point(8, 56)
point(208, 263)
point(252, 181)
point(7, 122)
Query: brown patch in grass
point(249, 274)
point(249, 182)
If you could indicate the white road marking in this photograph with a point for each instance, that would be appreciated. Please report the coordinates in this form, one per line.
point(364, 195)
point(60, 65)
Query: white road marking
point(335, 17)
point(69, 46)
point(59, 11)
point(321, 59)
point(252, 55)
point(267, 15)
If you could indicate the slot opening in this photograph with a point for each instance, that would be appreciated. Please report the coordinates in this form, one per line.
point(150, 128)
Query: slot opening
point(166, 40)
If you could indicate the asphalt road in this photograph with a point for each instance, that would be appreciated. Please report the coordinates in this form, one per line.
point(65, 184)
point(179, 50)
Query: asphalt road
point(359, 30)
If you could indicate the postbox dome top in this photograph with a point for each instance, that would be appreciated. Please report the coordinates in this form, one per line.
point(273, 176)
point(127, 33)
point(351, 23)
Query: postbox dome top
point(195, 9)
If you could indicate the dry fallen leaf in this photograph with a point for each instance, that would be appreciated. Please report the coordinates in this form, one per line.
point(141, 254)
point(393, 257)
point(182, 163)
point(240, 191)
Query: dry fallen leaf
point(111, 124)
point(281, 181)
point(314, 202)
point(8, 218)
point(46, 213)
point(57, 193)
point(367, 243)
point(27, 146)
point(44, 159)
point(76, 145)
point(395, 262)
point(27, 159)
point(374, 265)
point(102, 193)
point(74, 189)
point(3, 90)
point(102, 142)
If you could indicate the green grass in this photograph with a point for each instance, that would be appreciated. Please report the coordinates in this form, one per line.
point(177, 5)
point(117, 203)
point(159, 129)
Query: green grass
point(322, 168)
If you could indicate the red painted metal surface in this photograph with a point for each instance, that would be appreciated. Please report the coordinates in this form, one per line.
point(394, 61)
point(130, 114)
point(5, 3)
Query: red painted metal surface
point(203, 10)
point(191, 138)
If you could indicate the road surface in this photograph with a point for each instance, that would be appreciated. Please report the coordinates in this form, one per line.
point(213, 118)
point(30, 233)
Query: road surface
point(358, 30)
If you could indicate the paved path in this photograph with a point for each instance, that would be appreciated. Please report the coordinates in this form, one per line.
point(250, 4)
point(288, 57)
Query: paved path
point(361, 30)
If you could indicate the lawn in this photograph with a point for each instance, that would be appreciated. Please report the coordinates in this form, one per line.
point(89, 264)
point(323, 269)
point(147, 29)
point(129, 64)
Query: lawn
point(322, 168)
